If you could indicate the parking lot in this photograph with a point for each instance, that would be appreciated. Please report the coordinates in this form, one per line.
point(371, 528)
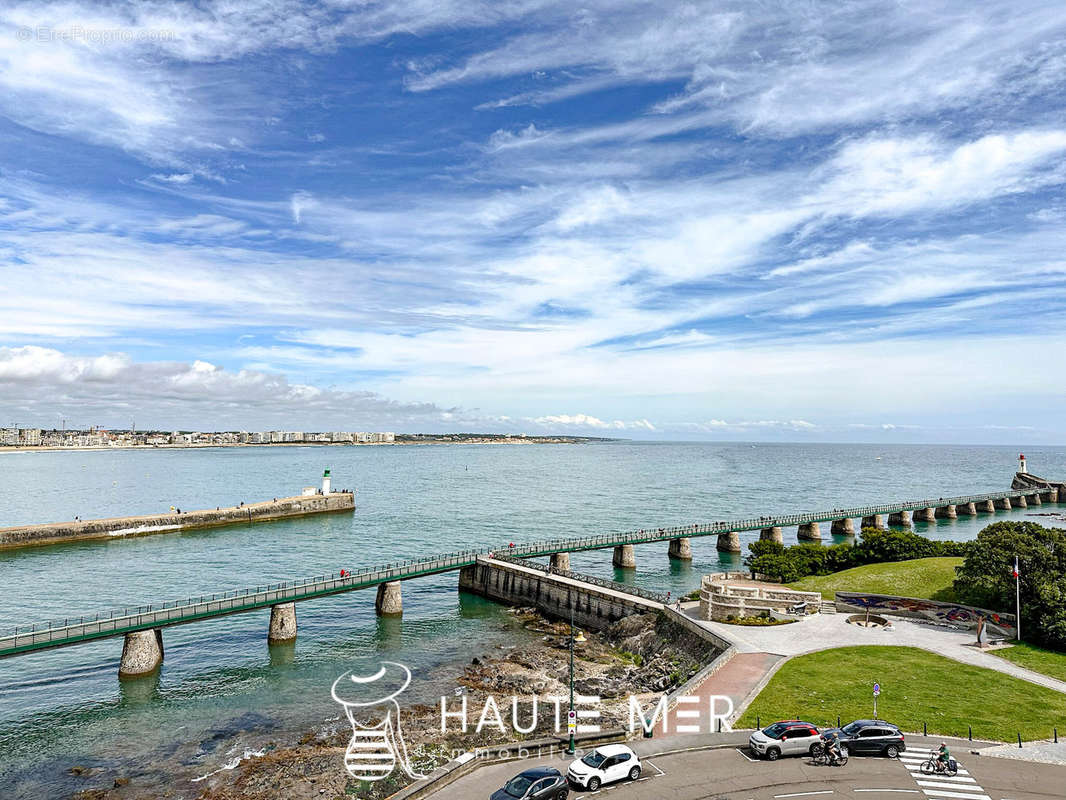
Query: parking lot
point(730, 773)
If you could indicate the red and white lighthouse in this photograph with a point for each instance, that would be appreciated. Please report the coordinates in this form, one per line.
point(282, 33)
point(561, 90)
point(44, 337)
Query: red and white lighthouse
point(1021, 464)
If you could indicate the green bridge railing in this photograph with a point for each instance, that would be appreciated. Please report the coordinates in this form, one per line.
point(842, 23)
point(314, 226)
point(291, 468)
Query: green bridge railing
point(39, 636)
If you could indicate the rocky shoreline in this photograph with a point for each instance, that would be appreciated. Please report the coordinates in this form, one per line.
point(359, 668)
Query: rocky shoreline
point(641, 655)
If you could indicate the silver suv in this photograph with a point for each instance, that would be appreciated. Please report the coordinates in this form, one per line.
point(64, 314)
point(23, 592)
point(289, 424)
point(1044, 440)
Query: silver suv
point(786, 738)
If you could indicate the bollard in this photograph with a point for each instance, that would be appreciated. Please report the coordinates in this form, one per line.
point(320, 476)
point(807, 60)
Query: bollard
point(971, 732)
point(1019, 741)
point(1056, 735)
point(925, 732)
point(838, 720)
point(720, 730)
point(758, 724)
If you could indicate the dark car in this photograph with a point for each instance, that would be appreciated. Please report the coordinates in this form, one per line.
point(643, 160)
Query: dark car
point(870, 737)
point(539, 783)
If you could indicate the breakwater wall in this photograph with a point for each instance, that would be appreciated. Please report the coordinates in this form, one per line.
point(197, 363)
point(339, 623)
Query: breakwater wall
point(83, 530)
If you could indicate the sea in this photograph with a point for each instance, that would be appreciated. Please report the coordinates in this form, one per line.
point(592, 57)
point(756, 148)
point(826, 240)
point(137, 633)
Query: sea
point(68, 724)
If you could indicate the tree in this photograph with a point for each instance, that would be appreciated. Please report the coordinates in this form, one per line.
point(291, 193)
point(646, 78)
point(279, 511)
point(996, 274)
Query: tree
point(985, 579)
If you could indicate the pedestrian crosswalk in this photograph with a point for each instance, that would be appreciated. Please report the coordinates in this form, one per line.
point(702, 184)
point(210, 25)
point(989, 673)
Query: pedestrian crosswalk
point(960, 786)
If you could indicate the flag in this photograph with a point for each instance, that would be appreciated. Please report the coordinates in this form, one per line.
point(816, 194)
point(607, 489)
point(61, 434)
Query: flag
point(1014, 572)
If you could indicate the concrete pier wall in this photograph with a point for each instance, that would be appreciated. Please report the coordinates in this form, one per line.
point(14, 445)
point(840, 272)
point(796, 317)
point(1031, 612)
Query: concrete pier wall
point(966, 510)
point(874, 521)
point(81, 530)
point(1004, 504)
point(900, 518)
point(680, 549)
point(142, 653)
point(554, 595)
point(560, 561)
point(843, 527)
point(282, 623)
point(624, 557)
point(729, 542)
point(925, 515)
point(947, 512)
point(810, 532)
point(389, 602)
point(772, 535)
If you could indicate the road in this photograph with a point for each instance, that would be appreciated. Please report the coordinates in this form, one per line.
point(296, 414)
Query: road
point(729, 774)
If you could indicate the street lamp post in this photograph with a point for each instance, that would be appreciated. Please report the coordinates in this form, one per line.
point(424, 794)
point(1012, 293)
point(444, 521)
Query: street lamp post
point(571, 719)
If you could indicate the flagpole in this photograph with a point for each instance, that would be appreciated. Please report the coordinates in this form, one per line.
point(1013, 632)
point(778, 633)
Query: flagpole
point(1017, 599)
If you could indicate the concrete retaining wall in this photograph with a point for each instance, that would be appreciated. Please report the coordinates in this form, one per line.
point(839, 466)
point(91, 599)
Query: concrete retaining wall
point(594, 607)
point(720, 600)
point(29, 535)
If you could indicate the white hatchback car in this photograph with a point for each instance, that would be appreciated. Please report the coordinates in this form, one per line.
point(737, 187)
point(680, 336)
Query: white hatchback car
point(605, 764)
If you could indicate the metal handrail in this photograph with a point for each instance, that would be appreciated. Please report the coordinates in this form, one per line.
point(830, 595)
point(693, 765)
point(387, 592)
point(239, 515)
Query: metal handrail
point(624, 588)
point(225, 601)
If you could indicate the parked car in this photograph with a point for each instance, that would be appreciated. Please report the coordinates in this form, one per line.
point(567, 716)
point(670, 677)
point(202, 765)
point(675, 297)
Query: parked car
point(538, 783)
point(871, 737)
point(605, 764)
point(790, 737)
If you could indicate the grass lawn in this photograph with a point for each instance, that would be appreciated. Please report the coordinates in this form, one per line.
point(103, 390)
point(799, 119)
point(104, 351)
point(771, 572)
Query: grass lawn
point(916, 687)
point(923, 578)
point(1046, 662)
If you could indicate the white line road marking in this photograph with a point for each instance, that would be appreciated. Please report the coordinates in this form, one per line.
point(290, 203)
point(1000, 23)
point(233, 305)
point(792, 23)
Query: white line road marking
point(939, 793)
point(943, 778)
point(962, 787)
point(901, 791)
point(916, 773)
point(655, 767)
point(802, 794)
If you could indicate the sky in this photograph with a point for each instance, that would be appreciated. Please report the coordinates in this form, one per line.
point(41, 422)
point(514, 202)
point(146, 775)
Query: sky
point(838, 221)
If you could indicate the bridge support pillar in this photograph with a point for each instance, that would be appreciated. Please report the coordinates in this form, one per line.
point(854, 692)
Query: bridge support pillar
point(729, 542)
point(902, 518)
point(947, 512)
point(681, 549)
point(843, 527)
point(1053, 496)
point(282, 623)
point(809, 531)
point(142, 653)
point(1034, 499)
point(560, 561)
point(624, 557)
point(924, 515)
point(772, 535)
point(874, 521)
point(1020, 502)
point(988, 506)
point(1003, 504)
point(966, 510)
point(389, 602)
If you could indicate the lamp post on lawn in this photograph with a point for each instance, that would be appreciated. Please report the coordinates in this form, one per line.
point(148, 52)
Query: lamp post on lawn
point(571, 719)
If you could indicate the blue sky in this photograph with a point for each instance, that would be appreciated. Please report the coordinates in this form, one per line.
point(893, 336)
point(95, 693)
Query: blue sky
point(827, 221)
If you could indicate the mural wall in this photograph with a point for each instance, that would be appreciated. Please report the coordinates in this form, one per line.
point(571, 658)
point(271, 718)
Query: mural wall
point(944, 613)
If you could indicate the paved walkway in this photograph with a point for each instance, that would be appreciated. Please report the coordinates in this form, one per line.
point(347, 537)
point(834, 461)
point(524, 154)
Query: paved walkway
point(824, 631)
point(741, 675)
point(1036, 752)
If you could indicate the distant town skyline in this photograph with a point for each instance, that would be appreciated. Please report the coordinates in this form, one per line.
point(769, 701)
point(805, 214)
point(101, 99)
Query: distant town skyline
point(684, 221)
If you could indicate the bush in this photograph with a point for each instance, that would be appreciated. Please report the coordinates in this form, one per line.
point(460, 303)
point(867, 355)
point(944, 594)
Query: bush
point(985, 578)
point(788, 564)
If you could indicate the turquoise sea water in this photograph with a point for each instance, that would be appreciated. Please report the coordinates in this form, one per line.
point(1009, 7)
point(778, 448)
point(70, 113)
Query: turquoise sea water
point(222, 689)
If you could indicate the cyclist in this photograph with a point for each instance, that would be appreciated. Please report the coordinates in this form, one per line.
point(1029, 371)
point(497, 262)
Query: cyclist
point(943, 756)
point(832, 749)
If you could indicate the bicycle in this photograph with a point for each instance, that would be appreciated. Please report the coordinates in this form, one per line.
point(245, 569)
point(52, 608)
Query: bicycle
point(935, 765)
point(823, 759)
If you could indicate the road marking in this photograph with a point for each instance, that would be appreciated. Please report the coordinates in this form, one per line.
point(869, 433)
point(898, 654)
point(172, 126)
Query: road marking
point(901, 791)
point(962, 787)
point(654, 767)
point(939, 793)
point(917, 772)
point(943, 779)
point(741, 751)
point(802, 794)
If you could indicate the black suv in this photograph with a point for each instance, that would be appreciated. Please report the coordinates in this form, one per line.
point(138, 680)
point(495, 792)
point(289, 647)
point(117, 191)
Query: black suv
point(870, 737)
point(539, 783)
